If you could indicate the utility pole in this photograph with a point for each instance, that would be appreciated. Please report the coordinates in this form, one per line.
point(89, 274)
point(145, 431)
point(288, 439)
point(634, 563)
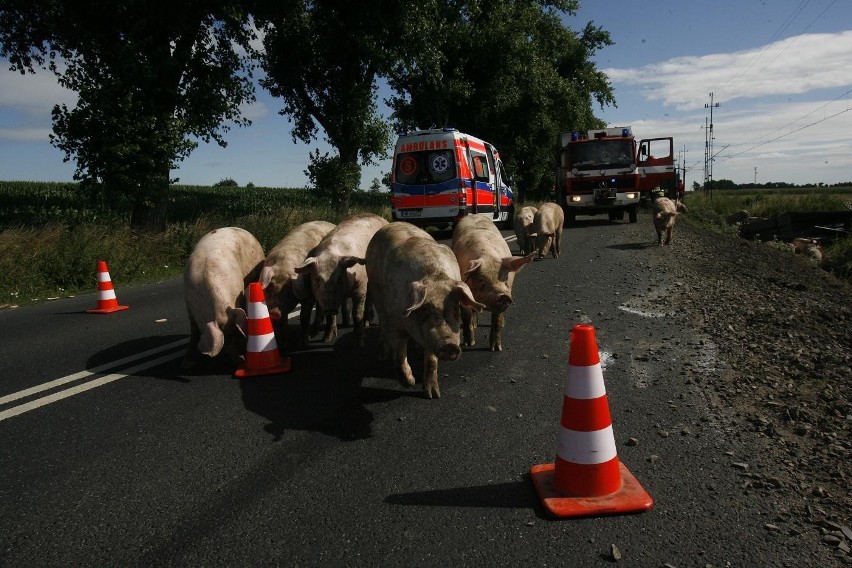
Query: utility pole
point(706, 157)
point(755, 176)
point(709, 143)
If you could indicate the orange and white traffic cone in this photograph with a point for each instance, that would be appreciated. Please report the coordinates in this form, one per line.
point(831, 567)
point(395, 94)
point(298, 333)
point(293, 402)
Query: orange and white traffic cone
point(107, 302)
point(262, 356)
point(587, 478)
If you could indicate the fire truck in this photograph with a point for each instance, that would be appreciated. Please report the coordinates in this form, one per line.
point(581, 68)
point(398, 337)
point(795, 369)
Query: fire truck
point(606, 171)
point(441, 175)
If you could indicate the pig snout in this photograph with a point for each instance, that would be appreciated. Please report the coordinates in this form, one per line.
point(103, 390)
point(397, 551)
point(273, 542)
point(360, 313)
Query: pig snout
point(503, 302)
point(448, 352)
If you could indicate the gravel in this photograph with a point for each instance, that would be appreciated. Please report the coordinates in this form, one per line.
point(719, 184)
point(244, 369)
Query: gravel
point(783, 330)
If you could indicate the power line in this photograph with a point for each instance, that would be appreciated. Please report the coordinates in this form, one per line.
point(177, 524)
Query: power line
point(776, 35)
point(788, 134)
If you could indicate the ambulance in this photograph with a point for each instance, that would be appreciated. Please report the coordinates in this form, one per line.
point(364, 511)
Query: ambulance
point(441, 175)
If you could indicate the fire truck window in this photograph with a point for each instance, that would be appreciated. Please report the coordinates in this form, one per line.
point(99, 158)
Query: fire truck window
point(415, 168)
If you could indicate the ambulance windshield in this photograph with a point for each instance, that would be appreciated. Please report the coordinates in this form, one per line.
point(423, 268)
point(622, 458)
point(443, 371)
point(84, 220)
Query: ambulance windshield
point(595, 154)
point(416, 168)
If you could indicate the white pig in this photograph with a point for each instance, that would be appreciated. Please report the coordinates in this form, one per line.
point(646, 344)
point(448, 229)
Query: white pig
point(665, 212)
point(336, 275)
point(217, 272)
point(523, 227)
point(547, 226)
point(488, 268)
point(418, 293)
point(283, 287)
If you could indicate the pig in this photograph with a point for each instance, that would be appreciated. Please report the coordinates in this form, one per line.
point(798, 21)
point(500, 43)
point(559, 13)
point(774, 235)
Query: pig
point(283, 286)
point(523, 227)
point(418, 293)
point(217, 272)
point(547, 229)
point(336, 274)
point(665, 212)
point(488, 268)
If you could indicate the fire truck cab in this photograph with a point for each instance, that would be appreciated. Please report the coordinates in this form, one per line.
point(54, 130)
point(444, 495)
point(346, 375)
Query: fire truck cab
point(606, 171)
point(441, 175)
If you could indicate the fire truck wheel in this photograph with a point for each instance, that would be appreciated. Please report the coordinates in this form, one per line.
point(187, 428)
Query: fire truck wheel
point(632, 213)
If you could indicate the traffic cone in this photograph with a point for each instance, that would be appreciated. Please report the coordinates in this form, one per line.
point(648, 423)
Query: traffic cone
point(587, 479)
point(107, 302)
point(262, 356)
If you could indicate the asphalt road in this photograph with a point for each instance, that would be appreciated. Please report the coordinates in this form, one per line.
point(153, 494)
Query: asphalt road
point(110, 457)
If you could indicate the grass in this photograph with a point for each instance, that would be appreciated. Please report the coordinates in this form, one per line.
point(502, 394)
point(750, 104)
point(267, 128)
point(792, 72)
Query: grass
point(711, 211)
point(51, 237)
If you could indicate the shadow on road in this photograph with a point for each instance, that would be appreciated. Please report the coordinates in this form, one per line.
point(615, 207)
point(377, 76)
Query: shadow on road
point(510, 495)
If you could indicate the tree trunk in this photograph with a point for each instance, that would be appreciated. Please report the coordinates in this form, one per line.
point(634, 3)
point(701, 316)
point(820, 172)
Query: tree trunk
point(151, 206)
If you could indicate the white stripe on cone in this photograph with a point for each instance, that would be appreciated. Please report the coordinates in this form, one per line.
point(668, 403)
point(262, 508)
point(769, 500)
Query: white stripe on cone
point(586, 448)
point(585, 383)
point(259, 343)
point(107, 295)
point(103, 277)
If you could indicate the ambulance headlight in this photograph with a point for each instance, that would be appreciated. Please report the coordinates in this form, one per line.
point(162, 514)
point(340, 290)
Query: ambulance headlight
point(575, 198)
point(631, 196)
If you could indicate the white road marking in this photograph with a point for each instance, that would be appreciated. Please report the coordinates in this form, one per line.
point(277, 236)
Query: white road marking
point(100, 381)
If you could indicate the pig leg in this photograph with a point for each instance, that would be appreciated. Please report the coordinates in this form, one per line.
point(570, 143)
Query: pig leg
point(498, 319)
point(669, 234)
point(557, 243)
point(430, 375)
point(330, 327)
point(305, 322)
point(358, 306)
point(401, 342)
point(192, 356)
point(469, 322)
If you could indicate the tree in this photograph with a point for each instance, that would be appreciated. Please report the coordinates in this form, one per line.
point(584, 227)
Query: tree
point(323, 58)
point(507, 71)
point(150, 82)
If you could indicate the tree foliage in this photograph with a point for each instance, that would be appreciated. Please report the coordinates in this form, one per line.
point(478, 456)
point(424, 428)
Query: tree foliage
point(150, 81)
point(323, 59)
point(508, 71)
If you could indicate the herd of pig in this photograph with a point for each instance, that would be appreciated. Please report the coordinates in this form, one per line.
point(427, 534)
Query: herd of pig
point(422, 291)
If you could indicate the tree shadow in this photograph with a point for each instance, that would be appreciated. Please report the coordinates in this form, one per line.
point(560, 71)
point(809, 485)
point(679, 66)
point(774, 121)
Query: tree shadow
point(169, 349)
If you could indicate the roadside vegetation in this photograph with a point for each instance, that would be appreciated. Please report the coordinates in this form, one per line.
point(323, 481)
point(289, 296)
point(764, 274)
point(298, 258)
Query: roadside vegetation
point(53, 234)
point(712, 210)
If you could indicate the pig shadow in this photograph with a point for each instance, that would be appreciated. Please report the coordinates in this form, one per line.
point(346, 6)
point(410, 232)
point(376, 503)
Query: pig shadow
point(323, 390)
point(633, 246)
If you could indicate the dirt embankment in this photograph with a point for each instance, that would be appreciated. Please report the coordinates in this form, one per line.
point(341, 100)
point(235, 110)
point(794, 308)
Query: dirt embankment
point(783, 327)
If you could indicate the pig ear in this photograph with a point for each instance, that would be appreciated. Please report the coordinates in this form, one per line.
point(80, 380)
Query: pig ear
point(266, 276)
point(416, 297)
point(515, 263)
point(473, 267)
point(237, 317)
point(305, 267)
point(462, 293)
point(350, 261)
point(212, 340)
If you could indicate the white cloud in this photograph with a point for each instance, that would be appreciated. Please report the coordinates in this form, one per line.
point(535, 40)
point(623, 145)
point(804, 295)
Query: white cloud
point(792, 66)
point(33, 93)
point(25, 134)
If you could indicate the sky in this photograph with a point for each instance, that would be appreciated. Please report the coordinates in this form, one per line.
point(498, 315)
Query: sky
point(780, 72)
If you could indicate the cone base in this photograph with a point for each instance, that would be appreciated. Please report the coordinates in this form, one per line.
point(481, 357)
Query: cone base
point(630, 498)
point(243, 372)
point(109, 310)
